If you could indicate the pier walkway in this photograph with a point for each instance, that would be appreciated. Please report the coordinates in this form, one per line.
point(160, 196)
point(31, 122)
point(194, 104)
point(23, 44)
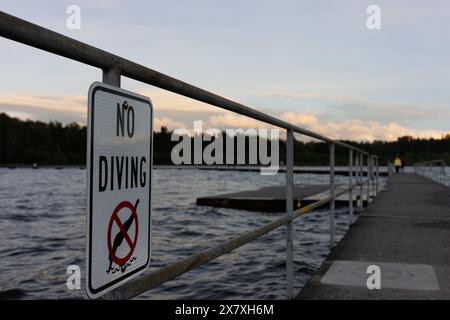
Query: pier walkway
point(406, 233)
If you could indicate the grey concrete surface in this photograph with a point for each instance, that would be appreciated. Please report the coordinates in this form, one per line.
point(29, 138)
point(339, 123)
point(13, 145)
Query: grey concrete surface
point(407, 224)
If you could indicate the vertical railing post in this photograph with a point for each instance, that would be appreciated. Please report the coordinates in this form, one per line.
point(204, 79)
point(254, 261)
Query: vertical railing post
point(443, 172)
point(361, 180)
point(350, 192)
point(357, 179)
point(369, 176)
point(436, 173)
point(368, 179)
point(112, 76)
point(372, 176)
point(332, 195)
point(378, 176)
point(290, 211)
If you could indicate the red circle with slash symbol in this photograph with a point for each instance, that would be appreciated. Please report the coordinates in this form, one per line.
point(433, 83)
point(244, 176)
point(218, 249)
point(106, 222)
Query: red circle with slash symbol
point(116, 220)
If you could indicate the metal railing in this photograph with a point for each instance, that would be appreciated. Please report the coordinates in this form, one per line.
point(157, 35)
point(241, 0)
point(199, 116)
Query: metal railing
point(390, 169)
point(114, 67)
point(434, 170)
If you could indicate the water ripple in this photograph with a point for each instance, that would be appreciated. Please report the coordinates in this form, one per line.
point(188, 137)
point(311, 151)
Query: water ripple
point(42, 227)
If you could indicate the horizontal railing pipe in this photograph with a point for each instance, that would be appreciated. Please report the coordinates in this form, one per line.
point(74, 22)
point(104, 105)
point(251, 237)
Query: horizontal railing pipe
point(153, 279)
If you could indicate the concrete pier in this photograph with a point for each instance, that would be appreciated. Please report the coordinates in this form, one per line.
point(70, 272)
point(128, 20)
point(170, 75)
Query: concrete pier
point(405, 232)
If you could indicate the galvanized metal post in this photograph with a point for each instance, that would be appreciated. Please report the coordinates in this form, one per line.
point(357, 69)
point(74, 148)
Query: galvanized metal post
point(368, 179)
point(356, 174)
point(112, 76)
point(372, 175)
point(439, 172)
point(378, 176)
point(443, 172)
point(371, 169)
point(430, 171)
point(290, 211)
point(332, 195)
point(445, 175)
point(350, 192)
point(436, 172)
point(361, 180)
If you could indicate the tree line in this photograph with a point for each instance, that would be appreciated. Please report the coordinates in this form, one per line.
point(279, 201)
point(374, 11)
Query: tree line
point(27, 142)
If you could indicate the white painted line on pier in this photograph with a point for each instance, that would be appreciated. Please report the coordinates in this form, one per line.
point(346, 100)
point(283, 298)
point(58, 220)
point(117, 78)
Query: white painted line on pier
point(393, 275)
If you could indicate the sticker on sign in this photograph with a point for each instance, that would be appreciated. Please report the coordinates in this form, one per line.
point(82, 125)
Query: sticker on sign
point(119, 169)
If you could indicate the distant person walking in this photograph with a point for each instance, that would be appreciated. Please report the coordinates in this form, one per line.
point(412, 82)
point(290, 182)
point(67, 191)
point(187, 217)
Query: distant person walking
point(397, 164)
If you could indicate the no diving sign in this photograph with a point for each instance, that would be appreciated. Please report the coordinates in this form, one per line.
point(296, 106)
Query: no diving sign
point(119, 164)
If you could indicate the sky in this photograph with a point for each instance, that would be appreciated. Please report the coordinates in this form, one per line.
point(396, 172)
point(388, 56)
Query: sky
point(312, 63)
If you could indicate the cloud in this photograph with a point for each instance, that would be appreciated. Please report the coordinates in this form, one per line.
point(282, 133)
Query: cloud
point(302, 120)
point(28, 105)
point(342, 106)
point(351, 129)
point(20, 115)
point(68, 103)
point(174, 111)
point(166, 122)
point(170, 109)
point(235, 121)
point(356, 129)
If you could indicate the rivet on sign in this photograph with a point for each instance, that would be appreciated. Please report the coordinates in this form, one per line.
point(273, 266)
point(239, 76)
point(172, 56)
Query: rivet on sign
point(125, 105)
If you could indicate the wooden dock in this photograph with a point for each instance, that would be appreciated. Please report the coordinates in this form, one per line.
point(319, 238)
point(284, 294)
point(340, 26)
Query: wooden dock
point(405, 232)
point(273, 199)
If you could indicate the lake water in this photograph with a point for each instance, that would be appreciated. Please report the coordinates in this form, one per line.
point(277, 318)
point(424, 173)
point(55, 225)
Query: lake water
point(42, 232)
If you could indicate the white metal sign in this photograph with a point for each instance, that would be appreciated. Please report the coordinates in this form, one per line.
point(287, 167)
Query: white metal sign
point(119, 168)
